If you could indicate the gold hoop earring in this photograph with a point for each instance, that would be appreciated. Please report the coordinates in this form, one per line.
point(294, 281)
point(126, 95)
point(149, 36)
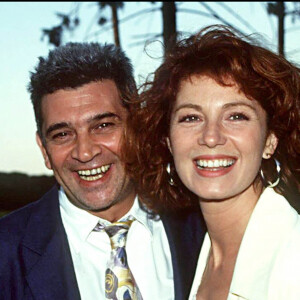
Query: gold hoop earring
point(275, 183)
point(168, 169)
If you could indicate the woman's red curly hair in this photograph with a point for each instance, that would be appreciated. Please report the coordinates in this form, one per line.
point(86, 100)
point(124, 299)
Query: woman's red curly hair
point(220, 53)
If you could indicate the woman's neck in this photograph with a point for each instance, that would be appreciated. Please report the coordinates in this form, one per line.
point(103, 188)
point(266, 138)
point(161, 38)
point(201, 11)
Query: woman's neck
point(226, 222)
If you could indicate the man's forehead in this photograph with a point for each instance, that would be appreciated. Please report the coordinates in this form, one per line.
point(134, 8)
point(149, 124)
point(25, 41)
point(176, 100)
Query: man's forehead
point(83, 103)
point(102, 93)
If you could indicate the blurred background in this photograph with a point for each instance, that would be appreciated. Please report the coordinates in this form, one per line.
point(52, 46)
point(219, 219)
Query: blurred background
point(142, 29)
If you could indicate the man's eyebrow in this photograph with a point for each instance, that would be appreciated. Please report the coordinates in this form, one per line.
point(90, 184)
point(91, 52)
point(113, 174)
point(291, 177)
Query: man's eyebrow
point(96, 117)
point(56, 126)
point(101, 116)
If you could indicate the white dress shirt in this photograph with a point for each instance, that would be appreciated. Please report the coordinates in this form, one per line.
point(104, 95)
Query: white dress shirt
point(268, 262)
point(147, 247)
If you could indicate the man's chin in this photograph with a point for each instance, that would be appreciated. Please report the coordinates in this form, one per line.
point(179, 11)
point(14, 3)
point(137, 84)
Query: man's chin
point(92, 206)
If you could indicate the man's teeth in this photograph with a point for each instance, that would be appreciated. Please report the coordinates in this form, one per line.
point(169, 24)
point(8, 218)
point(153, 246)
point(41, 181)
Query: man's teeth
point(216, 163)
point(93, 174)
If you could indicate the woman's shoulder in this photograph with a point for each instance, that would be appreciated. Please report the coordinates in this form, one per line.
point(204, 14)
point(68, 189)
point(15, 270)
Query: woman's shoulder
point(286, 272)
point(291, 247)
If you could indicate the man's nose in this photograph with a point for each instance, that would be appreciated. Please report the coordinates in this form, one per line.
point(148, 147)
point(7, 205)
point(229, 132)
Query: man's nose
point(85, 148)
point(212, 135)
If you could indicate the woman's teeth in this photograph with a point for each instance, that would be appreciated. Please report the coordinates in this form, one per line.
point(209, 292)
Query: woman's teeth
point(215, 163)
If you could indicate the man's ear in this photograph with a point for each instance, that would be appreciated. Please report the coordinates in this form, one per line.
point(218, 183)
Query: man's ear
point(271, 145)
point(169, 145)
point(43, 150)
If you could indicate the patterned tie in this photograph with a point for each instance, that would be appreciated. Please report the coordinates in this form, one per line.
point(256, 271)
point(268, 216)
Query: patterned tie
point(119, 281)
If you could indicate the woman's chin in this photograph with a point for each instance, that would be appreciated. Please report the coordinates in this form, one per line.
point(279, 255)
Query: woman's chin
point(213, 195)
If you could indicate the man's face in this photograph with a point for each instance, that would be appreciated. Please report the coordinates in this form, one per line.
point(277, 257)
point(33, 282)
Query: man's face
point(82, 128)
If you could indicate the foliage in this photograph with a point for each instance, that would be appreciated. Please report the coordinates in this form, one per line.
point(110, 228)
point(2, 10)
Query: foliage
point(55, 33)
point(17, 189)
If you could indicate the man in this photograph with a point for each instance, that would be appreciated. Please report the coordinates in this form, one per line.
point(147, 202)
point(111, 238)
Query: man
point(57, 248)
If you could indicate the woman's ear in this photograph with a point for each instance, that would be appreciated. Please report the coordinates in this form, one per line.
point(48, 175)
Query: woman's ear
point(270, 146)
point(169, 145)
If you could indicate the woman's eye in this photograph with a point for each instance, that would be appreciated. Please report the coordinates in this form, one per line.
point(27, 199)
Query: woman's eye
point(188, 119)
point(238, 117)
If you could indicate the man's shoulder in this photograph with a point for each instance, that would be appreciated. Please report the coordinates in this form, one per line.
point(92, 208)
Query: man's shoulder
point(15, 223)
point(189, 221)
point(188, 215)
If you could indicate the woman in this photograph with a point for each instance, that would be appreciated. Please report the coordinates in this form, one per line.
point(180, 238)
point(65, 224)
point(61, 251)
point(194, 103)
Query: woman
point(224, 112)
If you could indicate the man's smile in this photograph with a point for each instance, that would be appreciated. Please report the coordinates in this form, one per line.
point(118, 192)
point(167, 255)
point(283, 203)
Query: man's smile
point(93, 174)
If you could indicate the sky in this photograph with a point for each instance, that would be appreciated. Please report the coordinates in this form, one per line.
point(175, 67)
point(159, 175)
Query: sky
point(21, 25)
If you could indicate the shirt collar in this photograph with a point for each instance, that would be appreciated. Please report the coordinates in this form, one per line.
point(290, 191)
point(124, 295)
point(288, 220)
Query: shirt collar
point(271, 220)
point(82, 222)
point(141, 215)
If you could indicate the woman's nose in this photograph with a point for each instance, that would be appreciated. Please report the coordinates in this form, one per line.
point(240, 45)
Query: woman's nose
point(212, 135)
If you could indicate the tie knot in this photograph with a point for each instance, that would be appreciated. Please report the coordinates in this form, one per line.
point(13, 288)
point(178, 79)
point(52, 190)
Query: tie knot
point(117, 232)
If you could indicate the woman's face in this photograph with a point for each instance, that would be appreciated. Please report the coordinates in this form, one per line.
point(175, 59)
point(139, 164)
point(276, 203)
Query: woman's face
point(218, 138)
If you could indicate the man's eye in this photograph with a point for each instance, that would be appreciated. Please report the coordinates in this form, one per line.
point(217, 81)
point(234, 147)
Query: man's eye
point(188, 119)
point(59, 135)
point(238, 117)
point(105, 125)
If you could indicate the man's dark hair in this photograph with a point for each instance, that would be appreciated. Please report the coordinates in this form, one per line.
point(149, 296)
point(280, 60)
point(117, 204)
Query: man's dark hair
point(76, 64)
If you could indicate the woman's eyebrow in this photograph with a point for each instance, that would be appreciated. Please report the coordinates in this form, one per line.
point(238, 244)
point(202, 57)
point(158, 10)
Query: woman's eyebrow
point(225, 106)
point(189, 105)
point(236, 104)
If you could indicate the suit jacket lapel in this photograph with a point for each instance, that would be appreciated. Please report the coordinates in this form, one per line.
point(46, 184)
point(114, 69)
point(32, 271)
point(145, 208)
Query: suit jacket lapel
point(48, 264)
point(185, 232)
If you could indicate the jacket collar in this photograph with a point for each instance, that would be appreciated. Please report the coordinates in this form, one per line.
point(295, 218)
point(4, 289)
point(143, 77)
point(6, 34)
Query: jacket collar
point(271, 221)
point(48, 265)
point(185, 232)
